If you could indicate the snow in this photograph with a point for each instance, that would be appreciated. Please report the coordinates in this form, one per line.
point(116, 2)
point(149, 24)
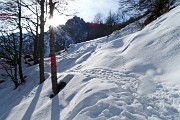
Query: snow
point(130, 77)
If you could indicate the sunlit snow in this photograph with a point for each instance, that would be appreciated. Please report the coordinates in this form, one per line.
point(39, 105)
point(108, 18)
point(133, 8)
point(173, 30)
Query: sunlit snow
point(120, 77)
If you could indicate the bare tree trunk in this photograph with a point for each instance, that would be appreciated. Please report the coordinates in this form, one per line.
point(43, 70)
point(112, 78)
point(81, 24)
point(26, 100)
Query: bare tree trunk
point(20, 43)
point(36, 41)
point(52, 53)
point(15, 77)
point(15, 80)
point(41, 43)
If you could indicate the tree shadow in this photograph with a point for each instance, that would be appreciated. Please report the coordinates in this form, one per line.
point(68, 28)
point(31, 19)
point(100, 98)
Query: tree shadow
point(8, 106)
point(17, 95)
point(56, 106)
point(55, 109)
point(32, 106)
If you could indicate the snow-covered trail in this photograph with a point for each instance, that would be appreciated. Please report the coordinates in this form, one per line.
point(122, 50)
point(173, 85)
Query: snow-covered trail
point(139, 64)
point(130, 96)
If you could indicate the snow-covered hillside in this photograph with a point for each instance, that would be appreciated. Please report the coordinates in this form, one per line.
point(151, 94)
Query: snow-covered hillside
point(134, 77)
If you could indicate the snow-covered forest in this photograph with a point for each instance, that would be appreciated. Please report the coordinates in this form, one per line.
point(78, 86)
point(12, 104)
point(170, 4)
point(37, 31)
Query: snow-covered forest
point(122, 67)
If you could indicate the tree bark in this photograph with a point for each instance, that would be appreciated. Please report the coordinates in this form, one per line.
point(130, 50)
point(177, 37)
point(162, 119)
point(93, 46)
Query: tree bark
point(20, 43)
point(36, 41)
point(41, 43)
point(52, 53)
point(15, 80)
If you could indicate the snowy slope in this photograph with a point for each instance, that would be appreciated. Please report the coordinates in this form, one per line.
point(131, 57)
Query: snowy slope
point(135, 77)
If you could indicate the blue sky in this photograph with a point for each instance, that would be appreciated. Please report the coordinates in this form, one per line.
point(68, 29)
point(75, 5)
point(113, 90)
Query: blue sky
point(88, 8)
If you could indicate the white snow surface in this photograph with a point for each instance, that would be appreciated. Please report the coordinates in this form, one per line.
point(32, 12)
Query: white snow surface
point(132, 77)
